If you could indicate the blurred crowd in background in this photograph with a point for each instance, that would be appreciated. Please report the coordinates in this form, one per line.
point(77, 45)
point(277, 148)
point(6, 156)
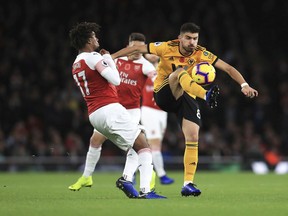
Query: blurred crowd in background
point(42, 112)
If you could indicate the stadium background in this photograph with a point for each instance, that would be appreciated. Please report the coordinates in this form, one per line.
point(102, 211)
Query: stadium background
point(42, 114)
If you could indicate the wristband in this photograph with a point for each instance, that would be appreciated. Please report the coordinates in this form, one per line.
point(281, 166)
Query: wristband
point(244, 84)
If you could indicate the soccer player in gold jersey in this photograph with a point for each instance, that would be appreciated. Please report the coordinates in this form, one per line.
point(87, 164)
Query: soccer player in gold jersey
point(175, 91)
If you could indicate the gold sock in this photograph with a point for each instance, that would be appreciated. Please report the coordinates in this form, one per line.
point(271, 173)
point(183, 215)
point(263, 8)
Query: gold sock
point(189, 86)
point(190, 160)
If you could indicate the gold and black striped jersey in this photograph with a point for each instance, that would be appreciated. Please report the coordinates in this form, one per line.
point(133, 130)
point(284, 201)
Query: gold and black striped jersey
point(171, 58)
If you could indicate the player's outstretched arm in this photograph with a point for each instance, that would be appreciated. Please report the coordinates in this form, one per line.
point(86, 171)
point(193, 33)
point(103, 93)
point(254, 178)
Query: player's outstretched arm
point(130, 51)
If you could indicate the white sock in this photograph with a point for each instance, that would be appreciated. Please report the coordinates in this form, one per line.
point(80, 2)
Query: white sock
point(92, 159)
point(158, 163)
point(131, 165)
point(145, 168)
point(187, 182)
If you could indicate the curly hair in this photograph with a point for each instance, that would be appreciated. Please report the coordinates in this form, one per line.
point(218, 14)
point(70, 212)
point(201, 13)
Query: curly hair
point(80, 34)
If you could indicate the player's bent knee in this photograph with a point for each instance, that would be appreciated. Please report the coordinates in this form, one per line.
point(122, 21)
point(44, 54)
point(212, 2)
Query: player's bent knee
point(96, 140)
point(140, 142)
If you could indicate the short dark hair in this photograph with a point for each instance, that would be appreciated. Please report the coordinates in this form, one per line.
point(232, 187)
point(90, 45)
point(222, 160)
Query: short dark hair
point(189, 27)
point(80, 33)
point(135, 36)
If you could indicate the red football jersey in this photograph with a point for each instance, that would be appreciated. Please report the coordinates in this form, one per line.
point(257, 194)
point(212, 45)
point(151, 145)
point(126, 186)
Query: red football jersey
point(148, 95)
point(133, 76)
point(96, 90)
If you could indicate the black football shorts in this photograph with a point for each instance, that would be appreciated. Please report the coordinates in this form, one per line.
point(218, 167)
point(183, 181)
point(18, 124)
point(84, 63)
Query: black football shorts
point(185, 107)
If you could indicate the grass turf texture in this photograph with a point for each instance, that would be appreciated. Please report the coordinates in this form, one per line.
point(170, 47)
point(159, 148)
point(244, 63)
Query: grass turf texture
point(223, 194)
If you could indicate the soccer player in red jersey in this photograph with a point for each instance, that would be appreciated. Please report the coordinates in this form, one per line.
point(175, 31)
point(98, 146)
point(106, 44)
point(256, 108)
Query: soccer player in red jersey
point(96, 76)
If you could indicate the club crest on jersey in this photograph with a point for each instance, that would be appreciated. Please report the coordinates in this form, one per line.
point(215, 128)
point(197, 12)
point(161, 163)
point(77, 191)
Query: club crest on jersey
point(157, 43)
point(104, 63)
point(191, 61)
point(137, 67)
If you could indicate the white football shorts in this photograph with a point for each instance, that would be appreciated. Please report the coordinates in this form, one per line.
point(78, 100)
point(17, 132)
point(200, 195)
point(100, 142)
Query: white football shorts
point(115, 123)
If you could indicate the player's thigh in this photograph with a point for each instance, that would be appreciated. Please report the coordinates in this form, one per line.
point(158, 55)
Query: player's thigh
point(190, 109)
point(174, 84)
point(97, 139)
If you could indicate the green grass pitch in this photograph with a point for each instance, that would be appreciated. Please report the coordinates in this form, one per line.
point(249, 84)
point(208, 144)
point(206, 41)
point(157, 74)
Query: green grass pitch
point(41, 194)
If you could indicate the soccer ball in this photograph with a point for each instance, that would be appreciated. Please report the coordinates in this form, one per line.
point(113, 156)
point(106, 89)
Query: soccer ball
point(203, 73)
